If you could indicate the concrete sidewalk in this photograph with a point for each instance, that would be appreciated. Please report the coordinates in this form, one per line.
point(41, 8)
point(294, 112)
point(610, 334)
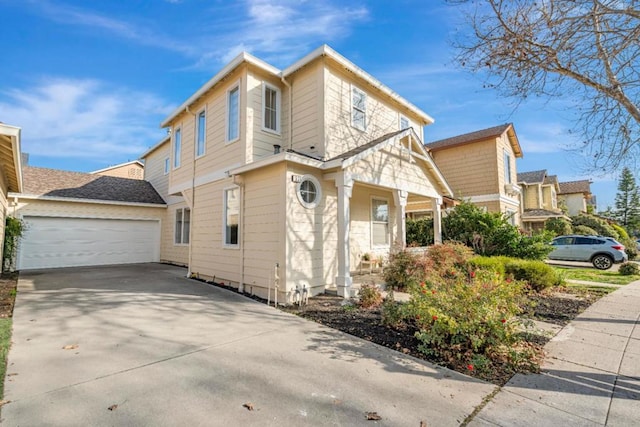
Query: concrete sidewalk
point(591, 376)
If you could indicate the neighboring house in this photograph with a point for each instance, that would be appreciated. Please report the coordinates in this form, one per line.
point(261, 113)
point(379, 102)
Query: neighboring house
point(176, 227)
point(539, 199)
point(576, 196)
point(10, 171)
point(133, 170)
point(481, 167)
point(290, 176)
point(77, 219)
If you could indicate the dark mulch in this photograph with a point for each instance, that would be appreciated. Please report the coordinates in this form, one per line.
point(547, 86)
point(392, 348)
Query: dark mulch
point(8, 283)
point(558, 306)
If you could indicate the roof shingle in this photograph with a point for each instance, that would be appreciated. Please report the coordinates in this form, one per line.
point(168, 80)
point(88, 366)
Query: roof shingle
point(572, 187)
point(78, 185)
point(532, 177)
point(469, 137)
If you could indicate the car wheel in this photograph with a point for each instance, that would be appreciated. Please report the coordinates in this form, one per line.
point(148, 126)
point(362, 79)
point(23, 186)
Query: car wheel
point(602, 262)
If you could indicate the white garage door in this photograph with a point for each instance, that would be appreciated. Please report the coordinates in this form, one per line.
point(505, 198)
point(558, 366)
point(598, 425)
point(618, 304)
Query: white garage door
point(70, 242)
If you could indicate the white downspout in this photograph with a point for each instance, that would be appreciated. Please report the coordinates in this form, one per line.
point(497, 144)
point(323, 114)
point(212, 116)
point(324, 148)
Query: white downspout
point(284, 82)
point(193, 187)
point(240, 185)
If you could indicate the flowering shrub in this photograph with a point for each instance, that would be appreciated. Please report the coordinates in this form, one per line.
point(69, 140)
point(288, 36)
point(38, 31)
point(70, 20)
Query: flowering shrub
point(400, 270)
point(370, 296)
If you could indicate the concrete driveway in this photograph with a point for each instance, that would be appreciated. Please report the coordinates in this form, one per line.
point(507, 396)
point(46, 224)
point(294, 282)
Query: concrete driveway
point(154, 348)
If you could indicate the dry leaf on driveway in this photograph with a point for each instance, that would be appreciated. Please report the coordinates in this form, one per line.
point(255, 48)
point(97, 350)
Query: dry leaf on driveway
point(70, 347)
point(373, 416)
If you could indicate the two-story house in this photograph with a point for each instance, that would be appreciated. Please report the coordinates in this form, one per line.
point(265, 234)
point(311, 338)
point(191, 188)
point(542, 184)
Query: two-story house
point(576, 196)
point(539, 199)
point(480, 167)
point(284, 178)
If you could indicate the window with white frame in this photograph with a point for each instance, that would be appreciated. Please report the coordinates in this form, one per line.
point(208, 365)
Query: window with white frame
point(167, 165)
point(309, 191)
point(233, 114)
point(358, 109)
point(270, 108)
point(379, 222)
point(507, 167)
point(201, 135)
point(404, 123)
point(231, 216)
point(183, 226)
point(177, 147)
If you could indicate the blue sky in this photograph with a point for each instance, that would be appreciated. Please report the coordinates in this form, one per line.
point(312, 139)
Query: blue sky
point(90, 81)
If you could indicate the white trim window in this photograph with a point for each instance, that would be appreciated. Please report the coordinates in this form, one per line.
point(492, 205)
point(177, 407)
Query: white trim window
point(167, 165)
point(358, 109)
point(231, 216)
point(201, 133)
point(309, 191)
point(233, 113)
point(379, 222)
point(182, 226)
point(404, 123)
point(270, 108)
point(177, 147)
point(507, 167)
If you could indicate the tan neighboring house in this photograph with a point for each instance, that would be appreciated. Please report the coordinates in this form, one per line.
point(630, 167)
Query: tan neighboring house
point(288, 177)
point(539, 199)
point(576, 196)
point(133, 170)
point(481, 167)
point(10, 171)
point(77, 219)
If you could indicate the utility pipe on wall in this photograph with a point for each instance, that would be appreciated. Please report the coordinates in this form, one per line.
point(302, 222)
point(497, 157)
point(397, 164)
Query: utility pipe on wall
point(193, 187)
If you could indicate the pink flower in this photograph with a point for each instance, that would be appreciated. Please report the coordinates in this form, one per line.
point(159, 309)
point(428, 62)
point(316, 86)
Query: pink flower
point(504, 320)
point(470, 367)
point(472, 274)
point(508, 280)
point(434, 317)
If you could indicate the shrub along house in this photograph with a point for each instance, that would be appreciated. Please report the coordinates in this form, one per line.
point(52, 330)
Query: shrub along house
point(287, 177)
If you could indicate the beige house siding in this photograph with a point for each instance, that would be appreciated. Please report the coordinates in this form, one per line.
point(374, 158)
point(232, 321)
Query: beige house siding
point(531, 196)
point(263, 221)
point(219, 154)
point(4, 211)
point(307, 104)
point(154, 169)
point(36, 207)
point(170, 251)
point(465, 180)
point(575, 203)
point(381, 116)
point(260, 141)
point(131, 170)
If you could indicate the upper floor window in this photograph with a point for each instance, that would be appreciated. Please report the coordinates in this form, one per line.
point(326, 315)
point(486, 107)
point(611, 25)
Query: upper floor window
point(379, 222)
point(233, 114)
point(231, 216)
point(404, 123)
point(270, 108)
point(177, 147)
point(183, 226)
point(167, 165)
point(202, 130)
point(507, 167)
point(358, 109)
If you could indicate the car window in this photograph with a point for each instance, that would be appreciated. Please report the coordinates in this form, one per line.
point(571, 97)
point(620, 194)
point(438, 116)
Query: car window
point(563, 241)
point(585, 241)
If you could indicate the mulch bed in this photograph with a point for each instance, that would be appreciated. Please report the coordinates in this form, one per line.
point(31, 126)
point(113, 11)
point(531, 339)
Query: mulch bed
point(558, 307)
point(8, 285)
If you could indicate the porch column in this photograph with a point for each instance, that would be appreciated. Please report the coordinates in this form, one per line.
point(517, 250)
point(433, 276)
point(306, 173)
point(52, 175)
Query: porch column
point(437, 219)
point(343, 280)
point(400, 199)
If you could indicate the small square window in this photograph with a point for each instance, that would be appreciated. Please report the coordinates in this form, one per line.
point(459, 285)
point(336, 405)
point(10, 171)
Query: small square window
point(404, 123)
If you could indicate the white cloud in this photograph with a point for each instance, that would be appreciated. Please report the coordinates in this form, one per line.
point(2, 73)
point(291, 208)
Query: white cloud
point(82, 118)
point(545, 138)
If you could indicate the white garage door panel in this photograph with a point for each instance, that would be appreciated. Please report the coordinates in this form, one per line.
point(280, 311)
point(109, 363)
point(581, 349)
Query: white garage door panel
point(71, 242)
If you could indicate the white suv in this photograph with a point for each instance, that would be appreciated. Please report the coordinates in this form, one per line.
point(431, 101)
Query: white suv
point(601, 251)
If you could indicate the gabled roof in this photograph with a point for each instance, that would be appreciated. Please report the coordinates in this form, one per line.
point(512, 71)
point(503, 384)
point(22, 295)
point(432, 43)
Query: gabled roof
point(479, 135)
point(138, 162)
point(551, 179)
point(77, 185)
point(366, 146)
point(541, 214)
point(10, 156)
point(533, 177)
point(573, 187)
point(322, 51)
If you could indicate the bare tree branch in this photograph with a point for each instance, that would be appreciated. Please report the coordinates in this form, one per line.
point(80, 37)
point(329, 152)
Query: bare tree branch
point(587, 51)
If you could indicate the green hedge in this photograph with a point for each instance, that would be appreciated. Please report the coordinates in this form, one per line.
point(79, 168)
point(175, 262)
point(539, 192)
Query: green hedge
point(536, 274)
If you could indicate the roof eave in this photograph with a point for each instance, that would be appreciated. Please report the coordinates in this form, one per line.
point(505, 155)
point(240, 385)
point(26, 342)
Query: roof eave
point(155, 147)
point(235, 62)
point(13, 132)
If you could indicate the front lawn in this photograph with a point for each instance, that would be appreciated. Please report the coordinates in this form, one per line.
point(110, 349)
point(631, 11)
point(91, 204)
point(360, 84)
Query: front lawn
point(5, 343)
point(593, 275)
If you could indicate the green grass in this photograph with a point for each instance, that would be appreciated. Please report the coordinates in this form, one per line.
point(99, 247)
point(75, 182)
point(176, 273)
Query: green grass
point(593, 290)
point(593, 275)
point(5, 342)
